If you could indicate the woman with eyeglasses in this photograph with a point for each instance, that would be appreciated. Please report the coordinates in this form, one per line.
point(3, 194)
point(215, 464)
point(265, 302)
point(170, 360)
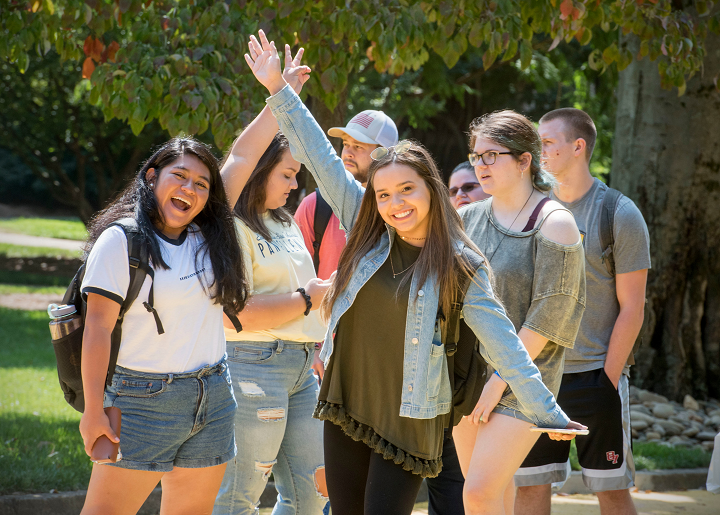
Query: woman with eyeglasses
point(536, 253)
point(386, 394)
point(464, 186)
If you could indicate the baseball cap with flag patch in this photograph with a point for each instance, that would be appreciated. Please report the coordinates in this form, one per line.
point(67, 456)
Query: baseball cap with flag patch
point(373, 127)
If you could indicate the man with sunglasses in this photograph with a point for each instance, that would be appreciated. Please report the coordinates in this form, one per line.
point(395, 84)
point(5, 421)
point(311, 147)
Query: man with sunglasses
point(594, 389)
point(464, 186)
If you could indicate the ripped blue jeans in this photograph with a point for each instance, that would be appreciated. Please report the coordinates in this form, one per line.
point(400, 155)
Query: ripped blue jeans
point(276, 393)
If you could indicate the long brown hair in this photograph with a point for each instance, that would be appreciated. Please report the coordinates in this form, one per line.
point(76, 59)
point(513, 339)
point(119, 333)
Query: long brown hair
point(438, 257)
point(251, 204)
point(518, 134)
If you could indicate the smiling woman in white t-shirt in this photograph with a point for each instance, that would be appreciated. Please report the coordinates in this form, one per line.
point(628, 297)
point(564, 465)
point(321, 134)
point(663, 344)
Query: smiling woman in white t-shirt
point(171, 385)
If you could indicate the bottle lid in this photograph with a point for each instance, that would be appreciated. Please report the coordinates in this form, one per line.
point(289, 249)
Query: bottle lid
point(55, 311)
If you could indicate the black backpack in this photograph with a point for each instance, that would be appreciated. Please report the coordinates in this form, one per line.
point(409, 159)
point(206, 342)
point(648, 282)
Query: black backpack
point(607, 242)
point(68, 350)
point(323, 212)
point(466, 366)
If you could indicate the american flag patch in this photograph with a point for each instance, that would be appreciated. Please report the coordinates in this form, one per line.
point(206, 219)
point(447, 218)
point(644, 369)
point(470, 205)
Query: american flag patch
point(363, 119)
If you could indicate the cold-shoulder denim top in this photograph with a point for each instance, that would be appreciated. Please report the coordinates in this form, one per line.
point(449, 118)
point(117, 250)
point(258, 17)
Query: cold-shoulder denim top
point(426, 385)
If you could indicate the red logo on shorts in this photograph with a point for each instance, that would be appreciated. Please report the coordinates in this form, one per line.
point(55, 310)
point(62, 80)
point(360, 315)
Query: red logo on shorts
point(612, 456)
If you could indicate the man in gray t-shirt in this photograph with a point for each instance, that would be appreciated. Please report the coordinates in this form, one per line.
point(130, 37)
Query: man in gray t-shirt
point(594, 389)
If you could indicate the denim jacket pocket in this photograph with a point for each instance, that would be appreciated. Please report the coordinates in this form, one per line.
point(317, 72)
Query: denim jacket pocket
point(435, 369)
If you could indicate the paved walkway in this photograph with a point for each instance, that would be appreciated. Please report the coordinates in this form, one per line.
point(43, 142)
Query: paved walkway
point(691, 502)
point(37, 241)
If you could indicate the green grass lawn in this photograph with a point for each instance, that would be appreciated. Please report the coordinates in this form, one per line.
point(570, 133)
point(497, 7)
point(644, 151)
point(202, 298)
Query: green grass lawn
point(19, 251)
point(40, 445)
point(24, 288)
point(67, 228)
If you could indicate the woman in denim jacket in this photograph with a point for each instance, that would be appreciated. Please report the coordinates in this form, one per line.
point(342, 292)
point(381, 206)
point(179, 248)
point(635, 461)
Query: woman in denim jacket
point(406, 198)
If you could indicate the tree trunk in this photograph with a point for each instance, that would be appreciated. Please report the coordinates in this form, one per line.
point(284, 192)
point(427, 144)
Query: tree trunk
point(666, 157)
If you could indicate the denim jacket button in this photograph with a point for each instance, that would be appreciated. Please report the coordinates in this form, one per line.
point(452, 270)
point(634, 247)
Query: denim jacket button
point(410, 388)
point(421, 293)
point(415, 341)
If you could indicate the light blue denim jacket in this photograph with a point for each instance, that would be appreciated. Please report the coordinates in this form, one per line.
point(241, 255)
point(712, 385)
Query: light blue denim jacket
point(426, 384)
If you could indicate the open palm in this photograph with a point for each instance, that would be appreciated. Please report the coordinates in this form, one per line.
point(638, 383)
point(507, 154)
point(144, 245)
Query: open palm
point(264, 62)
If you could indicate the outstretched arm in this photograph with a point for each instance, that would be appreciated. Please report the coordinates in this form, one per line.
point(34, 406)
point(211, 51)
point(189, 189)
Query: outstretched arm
point(309, 145)
point(249, 147)
point(501, 347)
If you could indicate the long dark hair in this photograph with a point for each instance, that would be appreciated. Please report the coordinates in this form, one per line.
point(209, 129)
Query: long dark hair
point(251, 204)
point(215, 221)
point(438, 257)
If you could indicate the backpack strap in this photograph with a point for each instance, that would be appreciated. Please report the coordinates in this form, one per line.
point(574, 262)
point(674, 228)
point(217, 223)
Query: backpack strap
point(606, 233)
point(451, 328)
point(234, 319)
point(534, 216)
point(323, 212)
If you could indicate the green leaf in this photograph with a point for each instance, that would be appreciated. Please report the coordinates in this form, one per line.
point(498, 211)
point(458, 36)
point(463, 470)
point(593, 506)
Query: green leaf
point(476, 35)
point(586, 36)
point(328, 79)
point(22, 61)
point(702, 7)
point(488, 58)
point(511, 50)
point(525, 55)
point(94, 96)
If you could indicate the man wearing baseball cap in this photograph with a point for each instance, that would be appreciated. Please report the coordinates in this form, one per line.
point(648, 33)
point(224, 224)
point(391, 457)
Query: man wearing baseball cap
point(321, 230)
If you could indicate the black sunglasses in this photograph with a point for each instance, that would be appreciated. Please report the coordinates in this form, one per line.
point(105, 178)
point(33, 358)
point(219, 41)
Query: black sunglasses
point(465, 188)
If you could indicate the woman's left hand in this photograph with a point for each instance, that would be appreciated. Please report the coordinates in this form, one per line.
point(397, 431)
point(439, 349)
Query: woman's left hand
point(560, 436)
point(489, 398)
point(294, 73)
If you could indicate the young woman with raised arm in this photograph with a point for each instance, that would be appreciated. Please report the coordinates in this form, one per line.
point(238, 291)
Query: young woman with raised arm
point(535, 250)
point(271, 357)
point(386, 397)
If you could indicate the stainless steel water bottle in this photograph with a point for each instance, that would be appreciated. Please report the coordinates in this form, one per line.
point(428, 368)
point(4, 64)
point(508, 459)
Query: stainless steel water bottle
point(64, 320)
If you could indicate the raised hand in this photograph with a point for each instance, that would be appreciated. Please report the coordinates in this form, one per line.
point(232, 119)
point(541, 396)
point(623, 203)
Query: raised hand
point(264, 62)
point(295, 74)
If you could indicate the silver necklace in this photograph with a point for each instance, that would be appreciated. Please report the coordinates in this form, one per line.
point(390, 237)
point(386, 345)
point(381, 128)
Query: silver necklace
point(392, 267)
point(504, 233)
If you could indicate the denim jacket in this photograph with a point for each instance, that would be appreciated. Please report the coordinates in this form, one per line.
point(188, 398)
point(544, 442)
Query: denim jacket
point(426, 384)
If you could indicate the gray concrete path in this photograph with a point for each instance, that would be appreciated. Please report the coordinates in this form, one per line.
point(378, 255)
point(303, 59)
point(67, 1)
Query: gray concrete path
point(37, 241)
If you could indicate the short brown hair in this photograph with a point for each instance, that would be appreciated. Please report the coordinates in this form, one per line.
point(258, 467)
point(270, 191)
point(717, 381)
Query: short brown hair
point(578, 124)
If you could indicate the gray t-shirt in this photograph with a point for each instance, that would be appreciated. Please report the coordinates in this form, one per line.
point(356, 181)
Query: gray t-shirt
point(631, 252)
point(541, 284)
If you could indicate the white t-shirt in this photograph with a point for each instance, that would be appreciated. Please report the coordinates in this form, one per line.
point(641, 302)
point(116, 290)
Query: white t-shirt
point(193, 334)
point(281, 265)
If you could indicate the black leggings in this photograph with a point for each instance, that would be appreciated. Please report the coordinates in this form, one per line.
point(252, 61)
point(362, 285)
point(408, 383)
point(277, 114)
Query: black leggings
point(361, 482)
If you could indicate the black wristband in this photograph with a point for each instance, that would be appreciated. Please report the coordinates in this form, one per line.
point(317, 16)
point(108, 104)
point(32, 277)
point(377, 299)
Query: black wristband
point(308, 301)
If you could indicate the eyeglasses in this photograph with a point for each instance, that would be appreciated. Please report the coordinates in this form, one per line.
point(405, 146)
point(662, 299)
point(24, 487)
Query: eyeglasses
point(465, 188)
point(400, 148)
point(488, 158)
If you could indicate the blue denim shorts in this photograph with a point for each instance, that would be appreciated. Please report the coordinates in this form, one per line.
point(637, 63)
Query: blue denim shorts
point(174, 420)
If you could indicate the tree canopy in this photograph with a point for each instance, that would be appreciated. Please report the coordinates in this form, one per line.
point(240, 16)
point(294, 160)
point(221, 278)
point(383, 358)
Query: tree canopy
point(181, 61)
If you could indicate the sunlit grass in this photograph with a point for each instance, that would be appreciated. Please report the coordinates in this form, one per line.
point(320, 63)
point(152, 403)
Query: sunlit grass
point(20, 251)
point(26, 288)
point(40, 445)
point(68, 229)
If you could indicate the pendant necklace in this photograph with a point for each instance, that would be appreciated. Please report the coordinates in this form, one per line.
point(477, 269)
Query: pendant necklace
point(504, 233)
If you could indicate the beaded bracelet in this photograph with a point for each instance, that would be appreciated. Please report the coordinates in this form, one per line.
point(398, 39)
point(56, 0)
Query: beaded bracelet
point(308, 301)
